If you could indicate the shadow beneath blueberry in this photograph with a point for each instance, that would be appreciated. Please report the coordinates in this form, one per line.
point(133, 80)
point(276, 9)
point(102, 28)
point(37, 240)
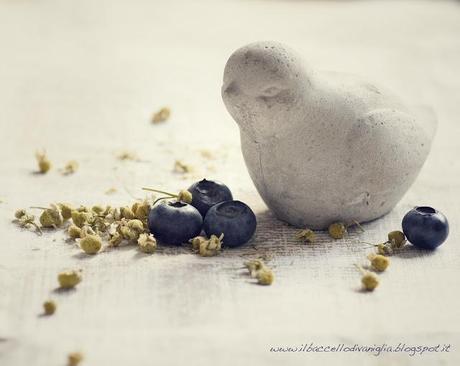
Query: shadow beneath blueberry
point(409, 251)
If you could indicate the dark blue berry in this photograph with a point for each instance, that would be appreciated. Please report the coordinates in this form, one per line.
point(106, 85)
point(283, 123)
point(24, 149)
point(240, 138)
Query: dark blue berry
point(232, 218)
point(207, 193)
point(174, 222)
point(425, 227)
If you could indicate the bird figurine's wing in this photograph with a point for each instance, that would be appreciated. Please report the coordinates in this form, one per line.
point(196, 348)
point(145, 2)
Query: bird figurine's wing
point(389, 144)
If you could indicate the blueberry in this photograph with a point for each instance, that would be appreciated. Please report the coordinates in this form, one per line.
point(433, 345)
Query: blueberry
point(425, 227)
point(207, 193)
point(174, 222)
point(232, 218)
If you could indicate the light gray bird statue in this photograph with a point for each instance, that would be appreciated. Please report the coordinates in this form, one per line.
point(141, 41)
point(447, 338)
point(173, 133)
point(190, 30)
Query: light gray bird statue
point(322, 147)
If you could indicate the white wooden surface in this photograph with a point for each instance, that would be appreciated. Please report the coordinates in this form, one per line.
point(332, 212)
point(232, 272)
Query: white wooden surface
point(81, 79)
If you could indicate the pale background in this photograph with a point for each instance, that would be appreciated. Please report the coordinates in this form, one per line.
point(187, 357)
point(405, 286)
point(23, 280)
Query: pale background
point(82, 78)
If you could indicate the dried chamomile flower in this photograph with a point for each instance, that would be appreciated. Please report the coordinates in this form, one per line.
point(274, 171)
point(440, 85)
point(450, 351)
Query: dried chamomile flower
point(49, 307)
point(74, 231)
point(23, 219)
point(115, 239)
point(337, 230)
point(181, 167)
point(211, 247)
point(70, 168)
point(20, 213)
point(306, 235)
point(87, 230)
point(384, 249)
point(69, 279)
point(141, 210)
point(161, 116)
point(265, 276)
point(207, 154)
point(80, 218)
point(51, 217)
point(147, 243)
point(379, 262)
point(43, 163)
point(91, 244)
point(128, 155)
point(196, 242)
point(99, 223)
point(113, 215)
point(111, 190)
point(136, 224)
point(97, 209)
point(74, 358)
point(66, 210)
point(369, 280)
point(397, 239)
point(253, 266)
point(185, 196)
point(127, 213)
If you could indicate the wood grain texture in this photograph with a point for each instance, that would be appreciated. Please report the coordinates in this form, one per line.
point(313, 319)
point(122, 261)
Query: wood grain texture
point(82, 79)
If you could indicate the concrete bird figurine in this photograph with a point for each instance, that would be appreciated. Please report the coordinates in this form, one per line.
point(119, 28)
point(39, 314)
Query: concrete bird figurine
point(321, 147)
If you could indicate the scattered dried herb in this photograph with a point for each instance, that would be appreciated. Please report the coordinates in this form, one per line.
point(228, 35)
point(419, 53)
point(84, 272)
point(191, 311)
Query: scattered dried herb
point(74, 358)
point(161, 116)
point(49, 307)
point(69, 279)
point(306, 235)
point(44, 165)
point(379, 262)
point(147, 243)
point(70, 168)
point(91, 244)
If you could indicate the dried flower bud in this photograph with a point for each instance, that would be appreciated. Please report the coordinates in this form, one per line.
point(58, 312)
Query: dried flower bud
point(136, 225)
point(80, 218)
point(97, 209)
point(397, 239)
point(337, 230)
point(116, 239)
point(141, 210)
point(69, 279)
point(66, 210)
point(306, 235)
point(70, 168)
point(74, 231)
point(370, 281)
point(184, 196)
point(384, 249)
point(49, 307)
point(265, 276)
point(91, 244)
point(196, 242)
point(43, 163)
point(161, 116)
point(147, 243)
point(379, 262)
point(127, 213)
point(20, 213)
point(211, 247)
point(74, 358)
point(181, 167)
point(254, 265)
point(51, 217)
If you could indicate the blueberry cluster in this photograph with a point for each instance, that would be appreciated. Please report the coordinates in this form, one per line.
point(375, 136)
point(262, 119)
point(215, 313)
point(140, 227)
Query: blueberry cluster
point(211, 210)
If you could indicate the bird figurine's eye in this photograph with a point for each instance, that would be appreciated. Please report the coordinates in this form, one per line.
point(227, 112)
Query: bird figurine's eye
point(271, 91)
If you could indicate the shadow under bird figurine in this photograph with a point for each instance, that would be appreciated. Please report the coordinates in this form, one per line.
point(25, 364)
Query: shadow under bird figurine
point(322, 147)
